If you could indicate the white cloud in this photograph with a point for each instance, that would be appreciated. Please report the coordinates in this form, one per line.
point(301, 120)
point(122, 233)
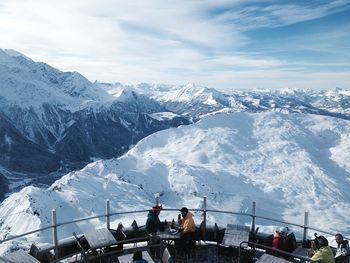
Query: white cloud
point(139, 41)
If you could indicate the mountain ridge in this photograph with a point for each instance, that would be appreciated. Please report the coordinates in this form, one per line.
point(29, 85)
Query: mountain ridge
point(69, 117)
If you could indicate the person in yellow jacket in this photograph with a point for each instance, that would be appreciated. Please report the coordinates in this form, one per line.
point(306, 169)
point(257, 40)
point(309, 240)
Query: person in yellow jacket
point(187, 230)
point(323, 253)
point(186, 223)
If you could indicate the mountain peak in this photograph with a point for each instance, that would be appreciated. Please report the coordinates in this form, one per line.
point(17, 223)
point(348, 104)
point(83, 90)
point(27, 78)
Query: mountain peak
point(12, 53)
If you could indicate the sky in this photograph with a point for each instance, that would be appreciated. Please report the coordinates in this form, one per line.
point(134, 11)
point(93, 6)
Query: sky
point(221, 44)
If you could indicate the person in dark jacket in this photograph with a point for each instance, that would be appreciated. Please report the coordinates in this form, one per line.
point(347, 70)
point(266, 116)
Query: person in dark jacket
point(342, 254)
point(153, 223)
point(290, 240)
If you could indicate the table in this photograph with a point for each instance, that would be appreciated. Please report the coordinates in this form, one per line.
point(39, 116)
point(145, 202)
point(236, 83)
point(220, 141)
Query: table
point(303, 252)
point(235, 234)
point(99, 238)
point(18, 256)
point(168, 236)
point(128, 257)
point(266, 258)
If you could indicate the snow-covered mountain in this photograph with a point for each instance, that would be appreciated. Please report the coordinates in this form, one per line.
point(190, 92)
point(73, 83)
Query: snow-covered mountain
point(53, 121)
point(287, 163)
point(196, 101)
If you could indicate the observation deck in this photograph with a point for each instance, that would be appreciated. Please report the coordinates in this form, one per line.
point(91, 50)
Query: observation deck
point(211, 242)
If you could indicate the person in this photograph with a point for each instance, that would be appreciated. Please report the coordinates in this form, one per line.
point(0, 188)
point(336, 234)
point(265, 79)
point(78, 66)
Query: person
point(323, 253)
point(343, 252)
point(288, 238)
point(153, 223)
point(137, 257)
point(187, 230)
point(277, 243)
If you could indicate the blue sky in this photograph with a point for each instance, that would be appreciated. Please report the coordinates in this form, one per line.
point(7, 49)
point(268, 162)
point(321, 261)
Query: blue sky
point(222, 44)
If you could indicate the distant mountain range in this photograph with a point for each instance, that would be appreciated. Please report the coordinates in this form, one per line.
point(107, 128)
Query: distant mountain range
point(52, 122)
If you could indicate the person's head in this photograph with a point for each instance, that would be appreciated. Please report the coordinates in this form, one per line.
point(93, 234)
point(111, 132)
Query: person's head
point(137, 255)
point(321, 241)
point(156, 209)
point(184, 211)
point(276, 233)
point(339, 238)
point(284, 231)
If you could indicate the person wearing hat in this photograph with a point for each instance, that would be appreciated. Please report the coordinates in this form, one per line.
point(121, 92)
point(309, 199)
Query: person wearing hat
point(323, 253)
point(153, 223)
point(187, 229)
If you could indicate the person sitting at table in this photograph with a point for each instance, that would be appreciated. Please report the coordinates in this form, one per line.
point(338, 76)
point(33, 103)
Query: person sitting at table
point(289, 238)
point(342, 254)
point(323, 253)
point(187, 230)
point(153, 223)
point(137, 257)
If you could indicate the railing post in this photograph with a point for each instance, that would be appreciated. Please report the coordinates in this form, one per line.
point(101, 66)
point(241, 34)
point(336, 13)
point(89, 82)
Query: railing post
point(54, 231)
point(204, 217)
point(253, 216)
point(108, 211)
point(157, 199)
point(306, 223)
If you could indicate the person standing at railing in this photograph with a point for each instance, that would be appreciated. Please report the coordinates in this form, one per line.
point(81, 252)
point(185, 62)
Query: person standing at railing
point(276, 243)
point(342, 254)
point(288, 237)
point(153, 223)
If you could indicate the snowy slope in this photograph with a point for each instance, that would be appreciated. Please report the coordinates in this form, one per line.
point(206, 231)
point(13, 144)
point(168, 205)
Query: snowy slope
point(287, 163)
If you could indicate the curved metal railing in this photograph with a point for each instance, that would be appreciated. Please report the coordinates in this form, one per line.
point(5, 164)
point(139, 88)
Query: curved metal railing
point(55, 225)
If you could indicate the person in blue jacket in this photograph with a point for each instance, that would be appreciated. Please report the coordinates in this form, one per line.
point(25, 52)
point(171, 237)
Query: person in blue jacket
point(137, 257)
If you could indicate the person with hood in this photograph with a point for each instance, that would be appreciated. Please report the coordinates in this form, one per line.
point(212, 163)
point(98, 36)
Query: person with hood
point(187, 229)
point(289, 239)
point(153, 223)
point(323, 253)
point(342, 254)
